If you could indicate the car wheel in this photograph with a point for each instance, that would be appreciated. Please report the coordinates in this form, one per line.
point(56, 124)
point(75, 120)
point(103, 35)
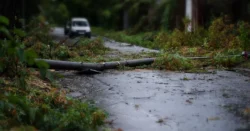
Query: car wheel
point(66, 32)
point(88, 35)
point(71, 35)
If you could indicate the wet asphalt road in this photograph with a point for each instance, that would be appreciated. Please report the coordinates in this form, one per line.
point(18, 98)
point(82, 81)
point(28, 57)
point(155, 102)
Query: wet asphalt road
point(146, 100)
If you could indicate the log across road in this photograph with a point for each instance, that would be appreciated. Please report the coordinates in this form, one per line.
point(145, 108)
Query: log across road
point(66, 65)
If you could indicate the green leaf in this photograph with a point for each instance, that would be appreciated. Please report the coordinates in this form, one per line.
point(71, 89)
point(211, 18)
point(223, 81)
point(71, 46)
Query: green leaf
point(43, 72)
point(11, 51)
point(4, 20)
point(19, 32)
point(49, 75)
point(20, 54)
point(4, 30)
point(30, 56)
point(2, 66)
point(21, 82)
point(43, 66)
point(32, 114)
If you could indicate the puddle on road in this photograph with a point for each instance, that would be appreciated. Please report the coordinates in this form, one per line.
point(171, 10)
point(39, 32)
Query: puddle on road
point(156, 100)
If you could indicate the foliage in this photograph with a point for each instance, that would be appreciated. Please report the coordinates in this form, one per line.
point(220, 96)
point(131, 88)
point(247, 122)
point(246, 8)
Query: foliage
point(226, 58)
point(244, 35)
point(55, 13)
point(62, 52)
point(142, 39)
point(222, 35)
point(162, 38)
point(168, 14)
point(48, 111)
point(39, 39)
point(28, 104)
point(176, 40)
point(91, 47)
point(173, 62)
point(14, 56)
point(222, 43)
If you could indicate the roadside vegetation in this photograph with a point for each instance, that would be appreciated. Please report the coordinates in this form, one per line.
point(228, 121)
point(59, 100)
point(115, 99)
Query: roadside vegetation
point(30, 99)
point(218, 46)
point(145, 39)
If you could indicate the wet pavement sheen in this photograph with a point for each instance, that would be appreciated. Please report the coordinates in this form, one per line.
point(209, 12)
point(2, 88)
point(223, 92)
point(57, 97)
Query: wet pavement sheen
point(146, 100)
point(150, 100)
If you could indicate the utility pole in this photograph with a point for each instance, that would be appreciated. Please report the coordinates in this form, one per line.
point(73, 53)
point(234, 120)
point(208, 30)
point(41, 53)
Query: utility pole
point(125, 15)
point(189, 13)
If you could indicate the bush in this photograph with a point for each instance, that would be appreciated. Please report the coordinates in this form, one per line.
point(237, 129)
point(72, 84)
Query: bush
point(226, 58)
point(222, 35)
point(14, 57)
point(62, 52)
point(244, 35)
point(222, 60)
point(87, 47)
point(178, 39)
point(173, 62)
point(48, 112)
point(161, 39)
point(23, 106)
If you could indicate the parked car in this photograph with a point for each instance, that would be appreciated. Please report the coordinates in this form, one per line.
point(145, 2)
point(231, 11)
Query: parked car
point(77, 27)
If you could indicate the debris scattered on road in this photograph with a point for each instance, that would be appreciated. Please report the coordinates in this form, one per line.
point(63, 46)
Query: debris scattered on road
point(213, 118)
point(189, 101)
point(160, 121)
point(137, 106)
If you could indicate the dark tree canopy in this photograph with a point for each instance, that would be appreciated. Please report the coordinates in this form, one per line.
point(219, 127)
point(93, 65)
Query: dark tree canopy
point(141, 14)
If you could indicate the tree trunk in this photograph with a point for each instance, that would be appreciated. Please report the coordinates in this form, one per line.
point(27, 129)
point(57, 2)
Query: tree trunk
point(125, 19)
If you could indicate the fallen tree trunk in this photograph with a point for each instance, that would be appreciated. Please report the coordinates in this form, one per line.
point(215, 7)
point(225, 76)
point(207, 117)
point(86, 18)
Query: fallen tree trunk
point(80, 66)
point(66, 65)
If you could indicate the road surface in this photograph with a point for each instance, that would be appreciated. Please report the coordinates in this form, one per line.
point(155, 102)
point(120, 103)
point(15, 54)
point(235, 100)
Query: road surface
point(146, 100)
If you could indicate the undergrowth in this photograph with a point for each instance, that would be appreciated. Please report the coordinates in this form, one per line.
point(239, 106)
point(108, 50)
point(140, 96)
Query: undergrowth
point(42, 107)
point(222, 43)
point(141, 39)
point(30, 100)
point(40, 40)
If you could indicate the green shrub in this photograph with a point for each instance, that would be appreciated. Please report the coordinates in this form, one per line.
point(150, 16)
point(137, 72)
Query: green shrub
point(222, 35)
point(223, 60)
point(14, 58)
point(244, 35)
point(62, 52)
point(197, 37)
point(25, 107)
point(48, 112)
point(173, 62)
point(161, 39)
point(89, 47)
point(176, 39)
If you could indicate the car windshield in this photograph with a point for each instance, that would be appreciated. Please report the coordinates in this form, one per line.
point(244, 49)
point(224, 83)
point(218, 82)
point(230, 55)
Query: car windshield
point(79, 23)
